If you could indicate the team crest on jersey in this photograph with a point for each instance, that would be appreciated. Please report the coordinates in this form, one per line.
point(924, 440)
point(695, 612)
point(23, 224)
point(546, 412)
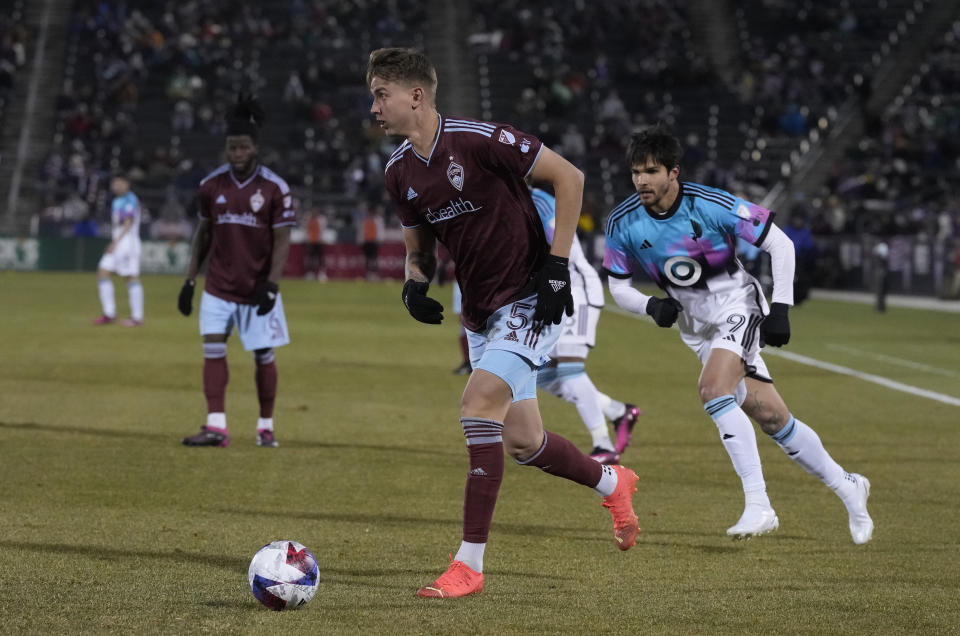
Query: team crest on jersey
point(455, 175)
point(507, 137)
point(257, 201)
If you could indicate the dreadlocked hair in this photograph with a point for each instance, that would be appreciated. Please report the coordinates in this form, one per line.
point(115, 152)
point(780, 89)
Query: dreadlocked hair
point(246, 117)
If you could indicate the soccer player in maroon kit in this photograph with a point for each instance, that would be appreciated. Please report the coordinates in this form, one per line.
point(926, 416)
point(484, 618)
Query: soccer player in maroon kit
point(461, 181)
point(246, 212)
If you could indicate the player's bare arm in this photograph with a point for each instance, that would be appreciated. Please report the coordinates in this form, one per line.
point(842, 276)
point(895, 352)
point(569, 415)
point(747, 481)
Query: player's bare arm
point(281, 249)
point(567, 181)
point(421, 261)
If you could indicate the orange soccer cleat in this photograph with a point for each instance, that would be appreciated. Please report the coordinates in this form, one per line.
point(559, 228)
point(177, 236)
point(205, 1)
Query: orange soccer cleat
point(459, 580)
point(620, 504)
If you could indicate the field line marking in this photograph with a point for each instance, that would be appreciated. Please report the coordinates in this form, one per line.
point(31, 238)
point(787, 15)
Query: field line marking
point(903, 362)
point(829, 366)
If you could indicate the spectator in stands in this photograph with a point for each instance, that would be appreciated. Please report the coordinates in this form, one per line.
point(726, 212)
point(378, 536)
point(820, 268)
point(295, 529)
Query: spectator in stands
point(316, 226)
point(806, 252)
point(371, 232)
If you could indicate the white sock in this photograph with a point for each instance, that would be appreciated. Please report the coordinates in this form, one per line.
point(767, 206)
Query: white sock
point(611, 408)
point(135, 295)
point(105, 287)
point(581, 392)
point(265, 423)
point(217, 420)
point(802, 444)
point(471, 554)
point(608, 481)
point(740, 441)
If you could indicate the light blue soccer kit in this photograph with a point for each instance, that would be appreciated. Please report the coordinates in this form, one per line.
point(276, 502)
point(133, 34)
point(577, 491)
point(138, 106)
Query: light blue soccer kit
point(690, 253)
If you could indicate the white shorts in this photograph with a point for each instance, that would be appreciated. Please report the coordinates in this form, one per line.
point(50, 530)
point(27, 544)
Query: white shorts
point(734, 324)
point(256, 332)
point(578, 332)
point(124, 260)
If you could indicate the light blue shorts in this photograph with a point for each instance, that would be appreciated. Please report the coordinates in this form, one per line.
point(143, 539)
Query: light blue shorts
point(256, 332)
point(511, 350)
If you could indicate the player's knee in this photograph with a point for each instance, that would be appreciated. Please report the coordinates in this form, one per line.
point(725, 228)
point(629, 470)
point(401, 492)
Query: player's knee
point(522, 447)
point(771, 420)
point(712, 390)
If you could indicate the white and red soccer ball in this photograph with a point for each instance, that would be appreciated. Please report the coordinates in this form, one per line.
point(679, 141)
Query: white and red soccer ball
point(283, 575)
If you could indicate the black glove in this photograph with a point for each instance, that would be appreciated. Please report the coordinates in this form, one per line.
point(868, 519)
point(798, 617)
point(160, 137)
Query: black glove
point(775, 328)
point(265, 297)
point(553, 292)
point(185, 300)
point(419, 305)
point(664, 311)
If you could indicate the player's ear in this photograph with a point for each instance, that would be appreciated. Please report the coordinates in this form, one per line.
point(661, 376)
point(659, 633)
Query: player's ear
point(419, 96)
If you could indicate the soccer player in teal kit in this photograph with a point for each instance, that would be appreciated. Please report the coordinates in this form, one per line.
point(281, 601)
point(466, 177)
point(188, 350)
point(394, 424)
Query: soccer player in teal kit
point(684, 235)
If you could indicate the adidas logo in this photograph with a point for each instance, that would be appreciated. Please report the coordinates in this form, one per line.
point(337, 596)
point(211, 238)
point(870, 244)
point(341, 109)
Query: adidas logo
point(221, 199)
point(730, 338)
point(478, 472)
point(411, 194)
point(645, 244)
point(557, 285)
point(512, 337)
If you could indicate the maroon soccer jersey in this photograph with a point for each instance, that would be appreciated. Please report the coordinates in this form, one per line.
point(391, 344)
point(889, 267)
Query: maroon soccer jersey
point(471, 194)
point(242, 216)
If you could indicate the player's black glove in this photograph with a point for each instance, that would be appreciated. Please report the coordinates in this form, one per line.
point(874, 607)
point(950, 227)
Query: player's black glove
point(775, 328)
point(265, 297)
point(419, 305)
point(664, 311)
point(185, 300)
point(554, 297)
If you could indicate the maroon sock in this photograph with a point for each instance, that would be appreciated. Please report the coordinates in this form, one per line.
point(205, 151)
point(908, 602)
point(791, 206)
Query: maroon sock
point(485, 446)
point(215, 376)
point(267, 387)
point(558, 456)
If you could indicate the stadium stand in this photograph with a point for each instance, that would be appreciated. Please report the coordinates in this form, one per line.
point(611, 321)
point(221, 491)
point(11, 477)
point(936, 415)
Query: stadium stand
point(752, 87)
point(13, 54)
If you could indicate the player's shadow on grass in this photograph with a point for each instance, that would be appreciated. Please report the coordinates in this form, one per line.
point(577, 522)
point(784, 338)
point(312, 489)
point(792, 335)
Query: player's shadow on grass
point(380, 448)
point(379, 520)
point(103, 552)
point(79, 430)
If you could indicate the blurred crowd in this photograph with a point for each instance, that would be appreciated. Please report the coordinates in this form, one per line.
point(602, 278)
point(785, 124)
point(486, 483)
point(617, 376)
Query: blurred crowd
point(146, 89)
point(13, 53)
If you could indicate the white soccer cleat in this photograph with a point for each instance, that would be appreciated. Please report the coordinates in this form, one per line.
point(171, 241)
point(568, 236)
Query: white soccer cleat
point(861, 525)
point(755, 521)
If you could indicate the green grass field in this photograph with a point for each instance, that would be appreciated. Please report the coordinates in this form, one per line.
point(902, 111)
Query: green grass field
point(108, 524)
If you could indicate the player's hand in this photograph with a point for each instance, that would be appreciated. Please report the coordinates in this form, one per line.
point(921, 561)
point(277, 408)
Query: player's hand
point(185, 300)
point(664, 311)
point(265, 297)
point(775, 328)
point(554, 297)
point(420, 306)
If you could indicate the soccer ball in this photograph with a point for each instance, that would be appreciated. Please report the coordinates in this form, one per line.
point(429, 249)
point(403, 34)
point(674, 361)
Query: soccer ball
point(283, 575)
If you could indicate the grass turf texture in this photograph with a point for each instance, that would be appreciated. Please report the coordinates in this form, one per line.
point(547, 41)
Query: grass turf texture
point(108, 524)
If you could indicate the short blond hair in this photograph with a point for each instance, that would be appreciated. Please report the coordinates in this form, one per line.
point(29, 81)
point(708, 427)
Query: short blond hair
point(404, 65)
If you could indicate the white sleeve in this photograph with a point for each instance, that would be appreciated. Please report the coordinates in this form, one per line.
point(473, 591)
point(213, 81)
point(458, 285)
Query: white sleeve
point(627, 296)
point(782, 264)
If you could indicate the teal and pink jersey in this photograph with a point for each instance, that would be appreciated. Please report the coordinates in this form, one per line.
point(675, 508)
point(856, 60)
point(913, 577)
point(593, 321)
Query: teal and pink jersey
point(693, 247)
